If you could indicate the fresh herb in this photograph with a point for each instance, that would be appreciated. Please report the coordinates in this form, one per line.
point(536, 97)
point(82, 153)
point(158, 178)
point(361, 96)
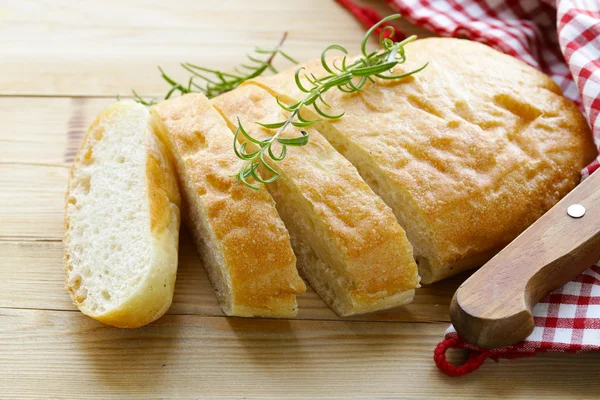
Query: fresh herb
point(212, 82)
point(347, 77)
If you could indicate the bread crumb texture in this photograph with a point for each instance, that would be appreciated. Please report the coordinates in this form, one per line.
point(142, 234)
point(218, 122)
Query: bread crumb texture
point(122, 220)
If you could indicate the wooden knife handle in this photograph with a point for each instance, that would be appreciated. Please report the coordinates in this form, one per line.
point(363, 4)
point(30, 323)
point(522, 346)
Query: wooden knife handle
point(493, 307)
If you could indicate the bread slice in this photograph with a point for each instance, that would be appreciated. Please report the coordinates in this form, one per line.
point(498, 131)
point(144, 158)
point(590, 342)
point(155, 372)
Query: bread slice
point(348, 243)
point(244, 244)
point(468, 152)
point(122, 221)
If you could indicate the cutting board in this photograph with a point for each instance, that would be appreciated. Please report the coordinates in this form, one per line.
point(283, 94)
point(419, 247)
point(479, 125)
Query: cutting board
point(60, 64)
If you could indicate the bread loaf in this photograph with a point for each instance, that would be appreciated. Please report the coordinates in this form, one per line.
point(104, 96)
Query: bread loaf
point(122, 221)
point(348, 243)
point(243, 242)
point(468, 152)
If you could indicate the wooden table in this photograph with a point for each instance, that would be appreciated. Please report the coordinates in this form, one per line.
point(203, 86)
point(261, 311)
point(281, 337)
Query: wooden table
point(63, 61)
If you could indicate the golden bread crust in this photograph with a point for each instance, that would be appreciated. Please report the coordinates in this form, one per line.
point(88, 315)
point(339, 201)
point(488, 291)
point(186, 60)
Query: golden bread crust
point(362, 238)
point(162, 185)
point(243, 223)
point(468, 152)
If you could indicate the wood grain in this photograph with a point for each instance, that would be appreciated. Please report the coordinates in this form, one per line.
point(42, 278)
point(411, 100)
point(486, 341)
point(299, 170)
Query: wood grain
point(184, 356)
point(32, 201)
point(33, 278)
point(52, 51)
point(77, 49)
point(53, 135)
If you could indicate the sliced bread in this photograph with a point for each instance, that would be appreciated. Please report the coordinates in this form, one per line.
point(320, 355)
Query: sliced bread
point(348, 243)
point(237, 230)
point(122, 221)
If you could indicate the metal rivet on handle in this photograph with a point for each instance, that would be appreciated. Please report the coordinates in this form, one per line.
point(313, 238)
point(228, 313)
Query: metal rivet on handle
point(576, 211)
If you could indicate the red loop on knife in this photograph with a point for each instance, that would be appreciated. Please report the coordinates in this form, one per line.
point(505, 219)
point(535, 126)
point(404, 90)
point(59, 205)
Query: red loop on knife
point(473, 362)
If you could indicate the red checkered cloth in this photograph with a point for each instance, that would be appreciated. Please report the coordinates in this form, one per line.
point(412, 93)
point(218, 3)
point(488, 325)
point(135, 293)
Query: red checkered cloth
point(543, 33)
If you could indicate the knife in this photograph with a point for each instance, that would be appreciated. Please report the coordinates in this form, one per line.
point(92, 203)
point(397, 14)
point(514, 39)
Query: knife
point(493, 308)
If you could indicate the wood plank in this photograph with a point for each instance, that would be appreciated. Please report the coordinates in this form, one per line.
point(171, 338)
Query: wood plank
point(63, 353)
point(49, 350)
point(33, 278)
point(45, 130)
point(74, 48)
point(32, 201)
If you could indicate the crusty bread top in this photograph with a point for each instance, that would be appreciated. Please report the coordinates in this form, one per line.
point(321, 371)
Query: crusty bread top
point(479, 142)
point(361, 230)
point(252, 238)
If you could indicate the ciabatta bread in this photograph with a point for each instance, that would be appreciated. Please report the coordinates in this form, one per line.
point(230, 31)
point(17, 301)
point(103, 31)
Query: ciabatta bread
point(243, 242)
point(468, 152)
point(348, 243)
point(122, 221)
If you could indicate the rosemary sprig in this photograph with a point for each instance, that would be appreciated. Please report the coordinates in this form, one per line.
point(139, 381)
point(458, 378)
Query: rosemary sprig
point(212, 82)
point(347, 77)
point(217, 82)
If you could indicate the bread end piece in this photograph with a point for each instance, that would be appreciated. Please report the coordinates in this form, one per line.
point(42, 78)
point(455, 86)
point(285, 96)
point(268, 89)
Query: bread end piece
point(122, 221)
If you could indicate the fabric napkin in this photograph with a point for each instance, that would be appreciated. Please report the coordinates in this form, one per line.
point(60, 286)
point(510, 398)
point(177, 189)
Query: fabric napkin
point(562, 39)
